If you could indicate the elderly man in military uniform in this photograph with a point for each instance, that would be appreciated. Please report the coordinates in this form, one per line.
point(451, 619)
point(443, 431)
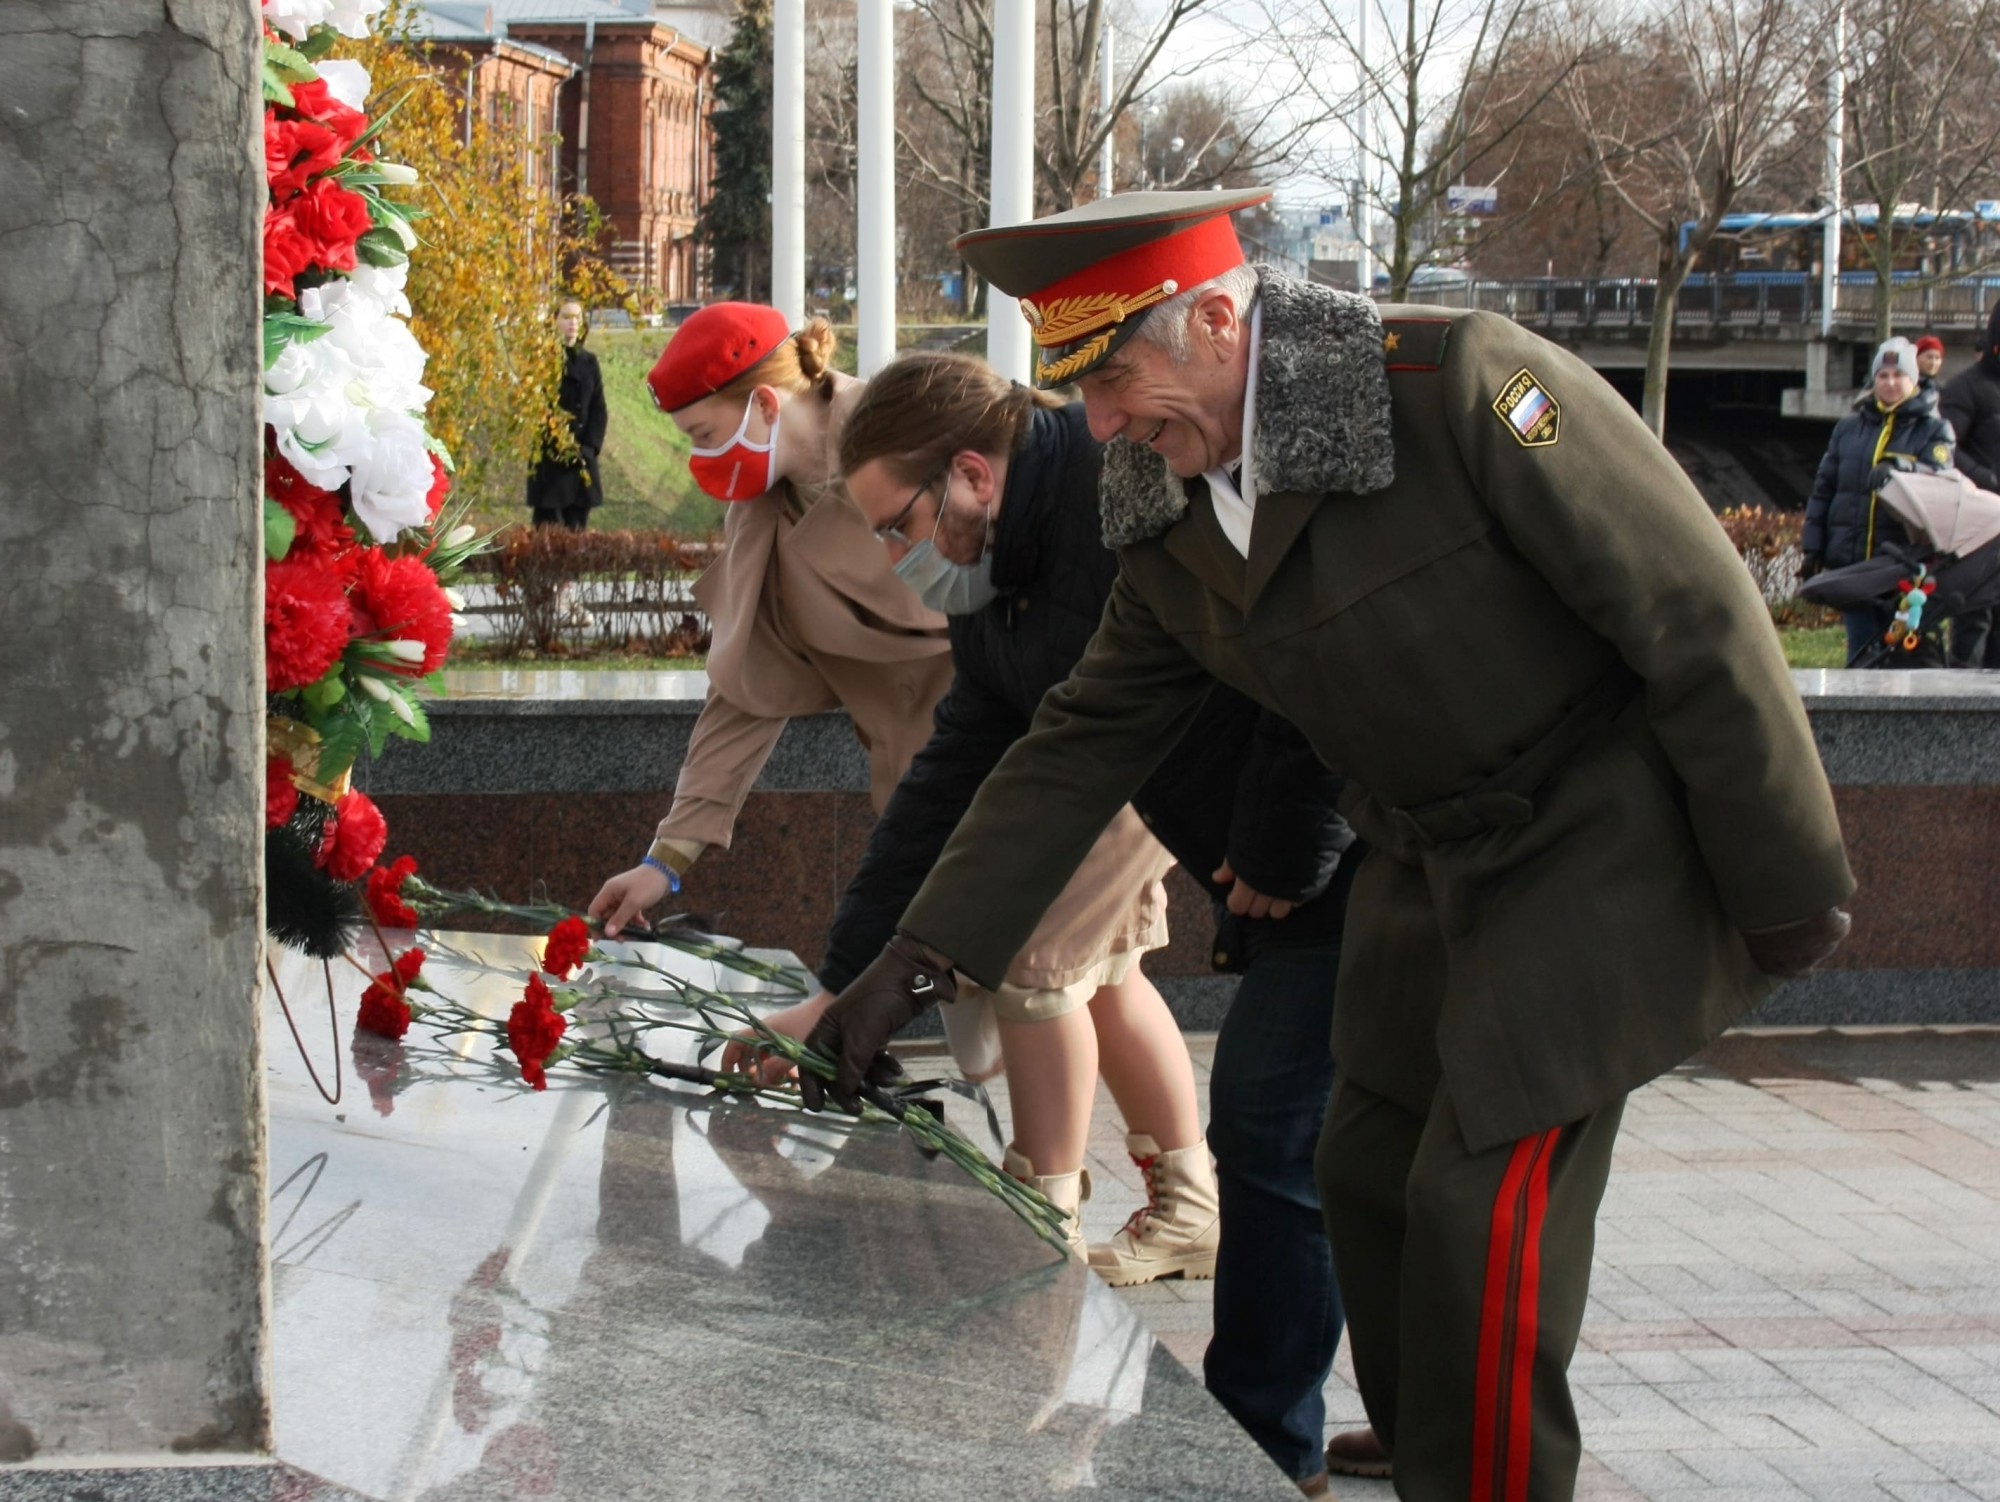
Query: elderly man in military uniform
point(1459, 563)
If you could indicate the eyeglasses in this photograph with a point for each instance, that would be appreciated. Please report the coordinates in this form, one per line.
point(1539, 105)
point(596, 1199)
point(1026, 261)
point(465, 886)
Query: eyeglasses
point(892, 530)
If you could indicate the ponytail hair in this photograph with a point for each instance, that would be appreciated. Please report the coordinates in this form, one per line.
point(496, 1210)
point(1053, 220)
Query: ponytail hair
point(920, 410)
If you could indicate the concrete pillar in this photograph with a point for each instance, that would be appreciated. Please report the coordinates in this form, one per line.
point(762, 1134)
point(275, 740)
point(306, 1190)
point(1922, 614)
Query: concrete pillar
point(132, 1289)
point(875, 230)
point(1013, 175)
point(788, 159)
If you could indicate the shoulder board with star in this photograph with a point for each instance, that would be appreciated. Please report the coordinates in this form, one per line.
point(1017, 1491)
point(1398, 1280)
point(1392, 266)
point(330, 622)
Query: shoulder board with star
point(1414, 343)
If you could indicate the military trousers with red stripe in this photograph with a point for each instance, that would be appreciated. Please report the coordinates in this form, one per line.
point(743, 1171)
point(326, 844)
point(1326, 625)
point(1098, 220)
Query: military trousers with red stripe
point(1464, 1276)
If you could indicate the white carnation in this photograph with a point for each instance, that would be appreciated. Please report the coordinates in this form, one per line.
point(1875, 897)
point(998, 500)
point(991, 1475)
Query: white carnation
point(392, 479)
point(296, 18)
point(346, 80)
point(309, 404)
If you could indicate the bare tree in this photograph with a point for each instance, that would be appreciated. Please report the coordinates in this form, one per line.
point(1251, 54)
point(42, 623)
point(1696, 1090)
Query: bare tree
point(1451, 84)
point(1922, 125)
point(1683, 113)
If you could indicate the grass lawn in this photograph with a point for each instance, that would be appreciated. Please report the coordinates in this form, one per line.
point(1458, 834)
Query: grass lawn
point(646, 481)
point(1815, 646)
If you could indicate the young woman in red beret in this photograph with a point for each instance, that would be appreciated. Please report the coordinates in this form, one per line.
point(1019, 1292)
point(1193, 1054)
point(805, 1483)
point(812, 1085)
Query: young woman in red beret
point(806, 613)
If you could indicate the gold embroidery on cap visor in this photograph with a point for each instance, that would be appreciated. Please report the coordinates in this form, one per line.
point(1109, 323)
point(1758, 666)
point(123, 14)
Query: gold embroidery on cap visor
point(1069, 318)
point(1059, 372)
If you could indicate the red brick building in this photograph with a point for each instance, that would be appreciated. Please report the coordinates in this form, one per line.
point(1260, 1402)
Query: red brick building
point(631, 117)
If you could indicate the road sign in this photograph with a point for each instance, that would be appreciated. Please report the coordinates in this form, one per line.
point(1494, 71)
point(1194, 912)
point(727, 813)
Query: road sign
point(1463, 199)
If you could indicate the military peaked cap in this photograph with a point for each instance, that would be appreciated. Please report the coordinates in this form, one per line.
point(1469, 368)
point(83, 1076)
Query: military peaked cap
point(1087, 276)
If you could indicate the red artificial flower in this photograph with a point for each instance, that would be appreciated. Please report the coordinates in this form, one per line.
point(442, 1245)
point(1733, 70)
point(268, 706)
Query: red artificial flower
point(568, 943)
point(315, 101)
point(331, 218)
point(306, 622)
point(440, 487)
point(287, 250)
point(401, 599)
point(385, 893)
point(295, 152)
point(534, 1028)
point(355, 835)
point(319, 516)
point(281, 799)
point(385, 1009)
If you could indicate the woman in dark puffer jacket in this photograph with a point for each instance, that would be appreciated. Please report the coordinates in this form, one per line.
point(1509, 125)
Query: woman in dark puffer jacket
point(1894, 426)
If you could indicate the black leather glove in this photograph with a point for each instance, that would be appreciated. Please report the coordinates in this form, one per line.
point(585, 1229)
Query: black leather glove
point(898, 984)
point(1815, 563)
point(1882, 473)
point(1798, 947)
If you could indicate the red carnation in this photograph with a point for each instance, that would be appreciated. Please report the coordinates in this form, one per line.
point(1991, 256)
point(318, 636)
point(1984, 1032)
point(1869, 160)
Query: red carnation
point(534, 1028)
point(385, 1009)
point(568, 944)
point(288, 250)
point(385, 893)
point(355, 835)
point(281, 799)
point(331, 218)
point(319, 516)
point(295, 151)
point(440, 487)
point(306, 621)
point(401, 599)
point(316, 102)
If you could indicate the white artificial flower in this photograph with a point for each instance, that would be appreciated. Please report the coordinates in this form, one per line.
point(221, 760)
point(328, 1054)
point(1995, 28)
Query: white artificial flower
point(309, 404)
point(346, 80)
point(396, 173)
point(405, 650)
point(373, 689)
point(384, 355)
point(391, 477)
point(384, 285)
point(460, 535)
point(296, 18)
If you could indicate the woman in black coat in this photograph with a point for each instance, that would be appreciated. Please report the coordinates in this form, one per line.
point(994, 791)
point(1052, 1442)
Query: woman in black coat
point(562, 492)
point(1894, 426)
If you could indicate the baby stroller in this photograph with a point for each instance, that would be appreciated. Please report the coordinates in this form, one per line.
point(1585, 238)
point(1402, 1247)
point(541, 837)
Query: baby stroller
point(1951, 564)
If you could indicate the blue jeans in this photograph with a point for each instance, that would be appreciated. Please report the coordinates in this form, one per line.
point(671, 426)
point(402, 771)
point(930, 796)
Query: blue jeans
point(1277, 1308)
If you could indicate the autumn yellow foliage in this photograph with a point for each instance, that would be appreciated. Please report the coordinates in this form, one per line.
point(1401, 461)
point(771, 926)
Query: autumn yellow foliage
point(497, 252)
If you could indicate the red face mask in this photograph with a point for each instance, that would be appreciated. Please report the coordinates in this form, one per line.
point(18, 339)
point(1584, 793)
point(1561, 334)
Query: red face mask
point(739, 470)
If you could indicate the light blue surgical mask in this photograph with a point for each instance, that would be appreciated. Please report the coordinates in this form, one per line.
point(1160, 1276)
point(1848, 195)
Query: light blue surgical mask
point(946, 587)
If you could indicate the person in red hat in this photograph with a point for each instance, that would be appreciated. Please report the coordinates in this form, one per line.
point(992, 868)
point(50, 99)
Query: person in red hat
point(1930, 360)
point(1454, 558)
point(806, 613)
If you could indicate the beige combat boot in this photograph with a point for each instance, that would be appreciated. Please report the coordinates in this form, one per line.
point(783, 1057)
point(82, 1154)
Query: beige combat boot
point(1066, 1191)
point(1175, 1233)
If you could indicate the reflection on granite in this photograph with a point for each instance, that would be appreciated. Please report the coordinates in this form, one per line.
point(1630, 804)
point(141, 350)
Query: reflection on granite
point(634, 1291)
point(263, 1482)
point(533, 687)
point(1924, 861)
point(1956, 688)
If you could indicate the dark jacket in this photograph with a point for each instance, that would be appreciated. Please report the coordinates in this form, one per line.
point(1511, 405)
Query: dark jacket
point(1971, 404)
point(1241, 783)
point(1843, 522)
point(560, 485)
point(1487, 595)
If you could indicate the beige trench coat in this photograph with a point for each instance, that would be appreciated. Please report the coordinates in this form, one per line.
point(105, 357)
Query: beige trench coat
point(808, 616)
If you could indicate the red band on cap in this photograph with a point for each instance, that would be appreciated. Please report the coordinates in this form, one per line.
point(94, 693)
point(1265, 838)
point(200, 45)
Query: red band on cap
point(1109, 290)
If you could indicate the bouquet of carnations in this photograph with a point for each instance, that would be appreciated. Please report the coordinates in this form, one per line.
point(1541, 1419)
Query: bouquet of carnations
point(360, 539)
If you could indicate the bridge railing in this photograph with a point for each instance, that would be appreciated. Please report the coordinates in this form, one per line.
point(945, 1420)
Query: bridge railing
point(1739, 300)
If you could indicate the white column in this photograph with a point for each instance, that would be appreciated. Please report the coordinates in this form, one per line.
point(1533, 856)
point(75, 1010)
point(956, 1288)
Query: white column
point(788, 159)
point(1364, 136)
point(875, 230)
point(1013, 169)
point(1836, 120)
point(1107, 159)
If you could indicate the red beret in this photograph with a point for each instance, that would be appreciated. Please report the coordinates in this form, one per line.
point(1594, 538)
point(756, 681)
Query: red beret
point(1930, 341)
point(712, 348)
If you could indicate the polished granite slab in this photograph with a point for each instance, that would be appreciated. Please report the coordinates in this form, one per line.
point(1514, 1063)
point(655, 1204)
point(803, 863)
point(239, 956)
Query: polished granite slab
point(634, 1290)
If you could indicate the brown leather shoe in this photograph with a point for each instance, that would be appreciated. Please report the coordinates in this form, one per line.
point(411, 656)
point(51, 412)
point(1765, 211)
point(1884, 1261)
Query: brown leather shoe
point(1357, 1453)
point(1314, 1486)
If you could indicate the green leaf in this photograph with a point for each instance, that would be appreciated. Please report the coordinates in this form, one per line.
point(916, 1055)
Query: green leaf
point(280, 527)
point(340, 740)
point(276, 91)
point(281, 329)
point(420, 730)
point(382, 246)
point(326, 693)
point(319, 41)
point(433, 684)
point(287, 63)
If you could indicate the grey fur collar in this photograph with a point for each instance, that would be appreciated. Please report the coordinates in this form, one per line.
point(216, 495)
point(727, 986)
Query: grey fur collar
point(1322, 412)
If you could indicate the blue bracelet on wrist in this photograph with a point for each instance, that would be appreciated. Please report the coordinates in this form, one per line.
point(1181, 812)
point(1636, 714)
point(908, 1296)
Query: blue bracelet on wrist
point(673, 877)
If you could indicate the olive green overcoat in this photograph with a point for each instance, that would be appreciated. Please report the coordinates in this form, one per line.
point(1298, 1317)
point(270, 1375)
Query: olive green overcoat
point(1488, 596)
